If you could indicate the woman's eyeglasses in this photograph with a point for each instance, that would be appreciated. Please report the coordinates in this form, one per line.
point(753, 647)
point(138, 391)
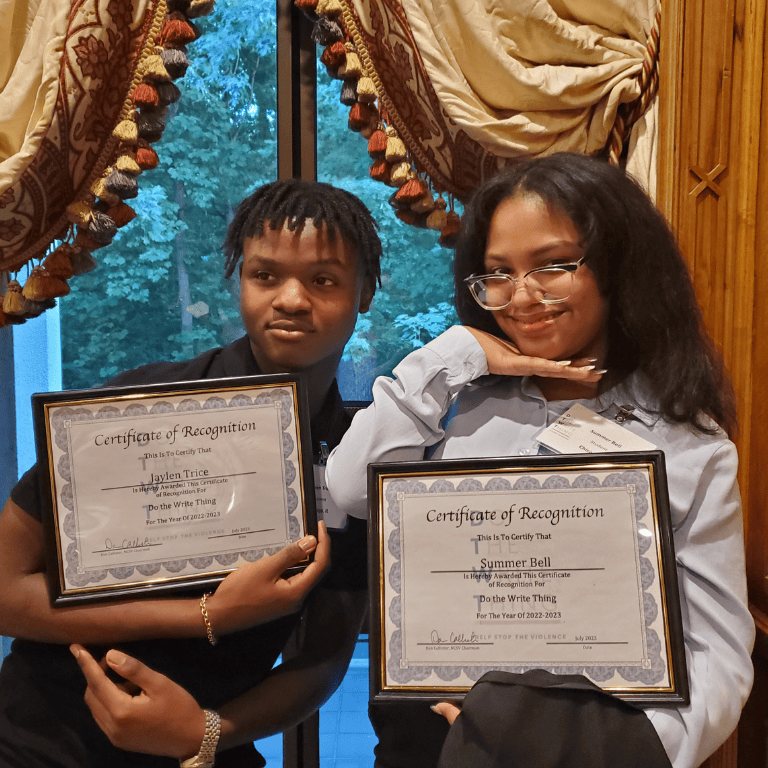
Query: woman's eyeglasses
point(547, 285)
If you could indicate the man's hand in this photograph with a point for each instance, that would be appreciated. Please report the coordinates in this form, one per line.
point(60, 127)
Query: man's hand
point(163, 719)
point(257, 592)
point(504, 358)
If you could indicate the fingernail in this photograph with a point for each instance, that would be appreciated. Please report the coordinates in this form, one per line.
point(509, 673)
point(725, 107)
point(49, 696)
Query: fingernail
point(434, 708)
point(308, 543)
point(563, 362)
point(586, 367)
point(75, 651)
point(591, 359)
point(601, 371)
point(115, 657)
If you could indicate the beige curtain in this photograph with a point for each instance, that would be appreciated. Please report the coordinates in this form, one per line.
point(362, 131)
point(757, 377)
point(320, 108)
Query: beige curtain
point(66, 72)
point(471, 83)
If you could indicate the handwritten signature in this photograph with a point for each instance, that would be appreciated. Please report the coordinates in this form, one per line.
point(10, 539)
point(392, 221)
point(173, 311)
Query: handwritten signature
point(127, 543)
point(453, 638)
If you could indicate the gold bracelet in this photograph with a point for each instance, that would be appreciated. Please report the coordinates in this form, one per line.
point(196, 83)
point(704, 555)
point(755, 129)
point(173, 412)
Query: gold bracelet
point(212, 639)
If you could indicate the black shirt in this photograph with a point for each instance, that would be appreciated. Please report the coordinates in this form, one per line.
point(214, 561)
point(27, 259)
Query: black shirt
point(43, 719)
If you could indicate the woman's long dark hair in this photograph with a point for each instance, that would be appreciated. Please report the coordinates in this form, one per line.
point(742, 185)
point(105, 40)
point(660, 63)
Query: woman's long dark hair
point(654, 323)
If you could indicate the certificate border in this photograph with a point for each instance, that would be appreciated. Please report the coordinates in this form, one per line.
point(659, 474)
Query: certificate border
point(651, 462)
point(42, 403)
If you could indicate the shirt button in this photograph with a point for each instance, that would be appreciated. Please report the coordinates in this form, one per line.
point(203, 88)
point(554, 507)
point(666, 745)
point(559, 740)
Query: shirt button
point(524, 451)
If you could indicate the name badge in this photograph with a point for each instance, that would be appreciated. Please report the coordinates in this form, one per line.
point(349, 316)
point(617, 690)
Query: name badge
point(326, 509)
point(580, 430)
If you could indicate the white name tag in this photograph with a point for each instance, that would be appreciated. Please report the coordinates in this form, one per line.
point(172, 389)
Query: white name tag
point(326, 509)
point(580, 430)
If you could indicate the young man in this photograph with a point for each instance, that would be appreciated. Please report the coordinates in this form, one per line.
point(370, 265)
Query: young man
point(310, 263)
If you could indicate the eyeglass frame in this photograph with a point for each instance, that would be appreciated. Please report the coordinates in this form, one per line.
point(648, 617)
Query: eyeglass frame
point(569, 267)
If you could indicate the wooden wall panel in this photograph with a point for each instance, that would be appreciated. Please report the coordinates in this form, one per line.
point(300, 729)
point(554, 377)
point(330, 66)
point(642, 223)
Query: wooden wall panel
point(713, 187)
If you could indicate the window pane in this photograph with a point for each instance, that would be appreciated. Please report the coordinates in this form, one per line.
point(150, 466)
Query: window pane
point(158, 292)
point(415, 303)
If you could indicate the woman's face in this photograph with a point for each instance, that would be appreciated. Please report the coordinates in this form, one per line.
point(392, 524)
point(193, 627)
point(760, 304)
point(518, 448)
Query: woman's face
point(524, 234)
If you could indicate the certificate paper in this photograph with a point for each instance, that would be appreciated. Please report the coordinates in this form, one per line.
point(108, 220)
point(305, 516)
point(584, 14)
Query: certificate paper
point(562, 563)
point(166, 486)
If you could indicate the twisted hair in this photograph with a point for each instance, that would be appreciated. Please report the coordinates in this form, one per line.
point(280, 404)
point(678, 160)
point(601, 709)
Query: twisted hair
point(654, 324)
point(292, 202)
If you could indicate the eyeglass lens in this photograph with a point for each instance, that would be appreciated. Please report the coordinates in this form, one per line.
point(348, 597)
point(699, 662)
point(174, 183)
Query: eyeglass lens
point(547, 286)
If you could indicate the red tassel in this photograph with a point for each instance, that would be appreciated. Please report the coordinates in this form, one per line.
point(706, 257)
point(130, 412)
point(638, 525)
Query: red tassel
point(412, 191)
point(121, 214)
point(377, 144)
point(306, 5)
point(146, 157)
point(176, 30)
point(334, 55)
point(380, 170)
point(145, 95)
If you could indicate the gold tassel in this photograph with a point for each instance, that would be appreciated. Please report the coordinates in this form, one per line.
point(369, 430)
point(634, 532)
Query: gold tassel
point(13, 301)
point(328, 8)
point(98, 189)
point(396, 150)
point(127, 164)
point(436, 220)
point(41, 285)
point(351, 69)
point(79, 213)
point(366, 90)
point(198, 8)
point(400, 174)
point(153, 68)
point(425, 204)
point(127, 131)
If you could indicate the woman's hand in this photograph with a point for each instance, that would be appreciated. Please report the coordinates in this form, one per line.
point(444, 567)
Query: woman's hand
point(449, 711)
point(257, 592)
point(163, 719)
point(504, 358)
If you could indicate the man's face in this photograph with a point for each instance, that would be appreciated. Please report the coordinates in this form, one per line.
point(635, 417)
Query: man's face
point(300, 295)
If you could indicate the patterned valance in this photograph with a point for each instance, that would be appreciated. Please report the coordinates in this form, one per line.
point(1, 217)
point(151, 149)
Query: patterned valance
point(466, 86)
point(84, 89)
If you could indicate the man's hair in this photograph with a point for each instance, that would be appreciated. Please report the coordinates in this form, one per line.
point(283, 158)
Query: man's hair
point(654, 324)
point(290, 203)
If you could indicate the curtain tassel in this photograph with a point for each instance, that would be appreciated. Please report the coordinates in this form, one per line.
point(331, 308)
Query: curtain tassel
point(334, 55)
point(450, 232)
point(326, 31)
point(438, 218)
point(329, 8)
point(198, 8)
point(82, 260)
point(121, 214)
point(13, 301)
point(41, 285)
point(396, 150)
point(177, 30)
point(145, 95)
point(380, 170)
point(122, 185)
point(361, 115)
point(127, 164)
point(412, 191)
point(366, 90)
point(146, 157)
point(400, 173)
point(127, 131)
point(348, 96)
point(175, 61)
point(154, 70)
point(59, 263)
point(377, 144)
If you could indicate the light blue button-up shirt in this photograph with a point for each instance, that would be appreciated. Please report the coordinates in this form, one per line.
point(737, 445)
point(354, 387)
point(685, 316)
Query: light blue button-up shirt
point(443, 404)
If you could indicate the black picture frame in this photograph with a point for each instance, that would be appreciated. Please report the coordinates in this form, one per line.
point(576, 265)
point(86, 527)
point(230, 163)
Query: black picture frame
point(284, 395)
point(415, 480)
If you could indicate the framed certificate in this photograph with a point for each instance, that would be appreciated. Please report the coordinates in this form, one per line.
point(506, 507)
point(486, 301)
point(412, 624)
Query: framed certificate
point(558, 562)
point(168, 486)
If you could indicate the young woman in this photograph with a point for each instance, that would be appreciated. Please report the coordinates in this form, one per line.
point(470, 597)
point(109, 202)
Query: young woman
point(571, 288)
